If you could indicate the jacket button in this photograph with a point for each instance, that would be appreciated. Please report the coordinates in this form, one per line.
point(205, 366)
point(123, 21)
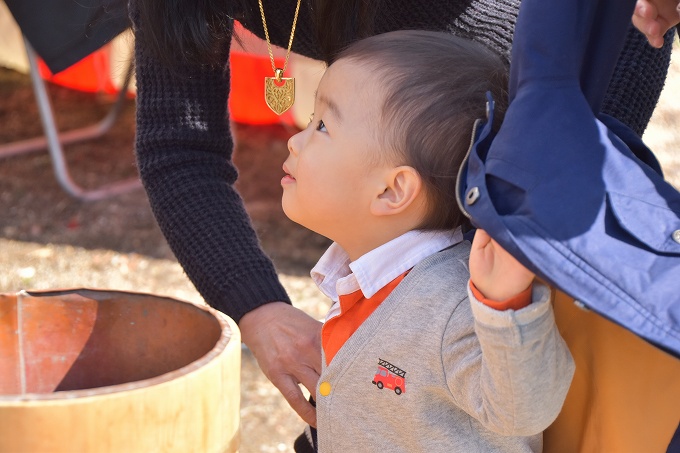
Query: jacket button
point(325, 388)
point(676, 236)
point(581, 305)
point(472, 196)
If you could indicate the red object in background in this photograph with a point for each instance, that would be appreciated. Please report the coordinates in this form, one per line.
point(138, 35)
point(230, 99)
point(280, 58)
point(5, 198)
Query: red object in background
point(92, 74)
point(246, 103)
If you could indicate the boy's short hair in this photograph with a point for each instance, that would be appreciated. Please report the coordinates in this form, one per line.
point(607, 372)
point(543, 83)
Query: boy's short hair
point(435, 88)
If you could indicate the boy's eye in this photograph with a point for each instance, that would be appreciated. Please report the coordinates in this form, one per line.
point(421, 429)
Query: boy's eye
point(321, 126)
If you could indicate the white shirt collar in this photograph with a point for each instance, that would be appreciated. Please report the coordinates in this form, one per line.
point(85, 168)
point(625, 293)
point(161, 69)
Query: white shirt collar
point(335, 275)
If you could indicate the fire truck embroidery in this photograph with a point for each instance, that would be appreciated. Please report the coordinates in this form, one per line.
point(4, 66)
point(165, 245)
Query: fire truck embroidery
point(390, 376)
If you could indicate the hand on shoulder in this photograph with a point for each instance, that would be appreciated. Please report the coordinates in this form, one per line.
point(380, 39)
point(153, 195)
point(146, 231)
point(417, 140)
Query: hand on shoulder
point(287, 345)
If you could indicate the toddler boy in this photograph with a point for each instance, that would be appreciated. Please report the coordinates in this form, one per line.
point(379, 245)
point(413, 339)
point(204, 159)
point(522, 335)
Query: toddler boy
point(432, 344)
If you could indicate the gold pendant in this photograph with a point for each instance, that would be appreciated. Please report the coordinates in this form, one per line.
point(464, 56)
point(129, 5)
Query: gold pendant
point(279, 98)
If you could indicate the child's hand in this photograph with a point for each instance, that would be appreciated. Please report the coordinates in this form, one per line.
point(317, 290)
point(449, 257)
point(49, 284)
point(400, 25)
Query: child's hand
point(496, 273)
point(655, 17)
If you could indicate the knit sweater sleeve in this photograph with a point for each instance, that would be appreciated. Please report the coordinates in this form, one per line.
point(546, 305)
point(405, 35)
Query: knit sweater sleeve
point(184, 148)
point(518, 384)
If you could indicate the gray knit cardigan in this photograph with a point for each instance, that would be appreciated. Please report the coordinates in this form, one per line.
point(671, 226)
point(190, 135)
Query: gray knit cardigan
point(433, 370)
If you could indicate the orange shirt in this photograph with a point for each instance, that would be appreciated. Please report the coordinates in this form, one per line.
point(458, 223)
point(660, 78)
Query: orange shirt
point(354, 310)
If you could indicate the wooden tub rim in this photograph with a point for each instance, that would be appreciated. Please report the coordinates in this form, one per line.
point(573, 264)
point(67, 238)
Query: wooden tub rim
point(227, 325)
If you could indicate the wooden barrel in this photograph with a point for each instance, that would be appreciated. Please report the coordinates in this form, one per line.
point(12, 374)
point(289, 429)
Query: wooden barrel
point(105, 371)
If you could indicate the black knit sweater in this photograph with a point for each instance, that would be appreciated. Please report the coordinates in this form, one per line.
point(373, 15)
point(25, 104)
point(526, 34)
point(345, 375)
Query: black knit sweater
point(184, 145)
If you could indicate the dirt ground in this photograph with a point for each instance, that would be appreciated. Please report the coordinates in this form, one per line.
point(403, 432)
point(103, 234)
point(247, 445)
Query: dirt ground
point(50, 240)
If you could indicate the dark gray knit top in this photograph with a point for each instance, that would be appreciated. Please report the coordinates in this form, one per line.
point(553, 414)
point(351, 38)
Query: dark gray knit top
point(184, 144)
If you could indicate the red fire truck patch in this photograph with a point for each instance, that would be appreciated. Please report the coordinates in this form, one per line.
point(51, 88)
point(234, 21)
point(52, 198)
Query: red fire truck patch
point(390, 376)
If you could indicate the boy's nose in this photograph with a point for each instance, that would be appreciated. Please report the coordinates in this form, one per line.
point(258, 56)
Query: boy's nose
point(294, 143)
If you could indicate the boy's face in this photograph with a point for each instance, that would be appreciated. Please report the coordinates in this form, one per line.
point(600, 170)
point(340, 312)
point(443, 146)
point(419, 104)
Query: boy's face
point(332, 172)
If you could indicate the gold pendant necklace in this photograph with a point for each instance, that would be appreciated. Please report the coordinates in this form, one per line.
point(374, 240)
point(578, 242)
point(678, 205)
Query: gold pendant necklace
point(279, 91)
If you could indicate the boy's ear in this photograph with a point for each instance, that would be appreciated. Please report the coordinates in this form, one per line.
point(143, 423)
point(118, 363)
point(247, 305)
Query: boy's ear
point(402, 185)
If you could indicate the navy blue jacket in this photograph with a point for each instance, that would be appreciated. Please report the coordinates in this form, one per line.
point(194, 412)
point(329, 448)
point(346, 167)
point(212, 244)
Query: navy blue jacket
point(576, 196)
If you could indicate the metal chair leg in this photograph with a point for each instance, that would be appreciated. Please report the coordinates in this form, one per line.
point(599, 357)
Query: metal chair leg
point(53, 141)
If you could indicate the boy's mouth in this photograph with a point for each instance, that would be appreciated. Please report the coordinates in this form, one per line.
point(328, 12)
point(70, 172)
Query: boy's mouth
point(288, 178)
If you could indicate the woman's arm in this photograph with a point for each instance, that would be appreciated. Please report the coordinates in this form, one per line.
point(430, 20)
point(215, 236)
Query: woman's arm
point(184, 149)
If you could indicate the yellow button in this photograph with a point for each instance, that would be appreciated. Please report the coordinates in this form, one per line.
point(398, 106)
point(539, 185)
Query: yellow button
point(325, 389)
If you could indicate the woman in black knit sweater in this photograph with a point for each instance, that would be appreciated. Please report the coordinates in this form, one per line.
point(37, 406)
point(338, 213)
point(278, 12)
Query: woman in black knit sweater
point(184, 145)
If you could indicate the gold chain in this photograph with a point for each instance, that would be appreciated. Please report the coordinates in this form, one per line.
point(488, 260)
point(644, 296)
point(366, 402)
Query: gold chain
point(279, 71)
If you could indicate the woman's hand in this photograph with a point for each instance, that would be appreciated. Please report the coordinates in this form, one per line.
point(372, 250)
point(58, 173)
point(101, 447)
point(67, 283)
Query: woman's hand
point(655, 17)
point(287, 345)
point(496, 273)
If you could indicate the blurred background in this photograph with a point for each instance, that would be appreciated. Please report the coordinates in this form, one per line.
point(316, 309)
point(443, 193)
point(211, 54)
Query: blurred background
point(50, 239)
